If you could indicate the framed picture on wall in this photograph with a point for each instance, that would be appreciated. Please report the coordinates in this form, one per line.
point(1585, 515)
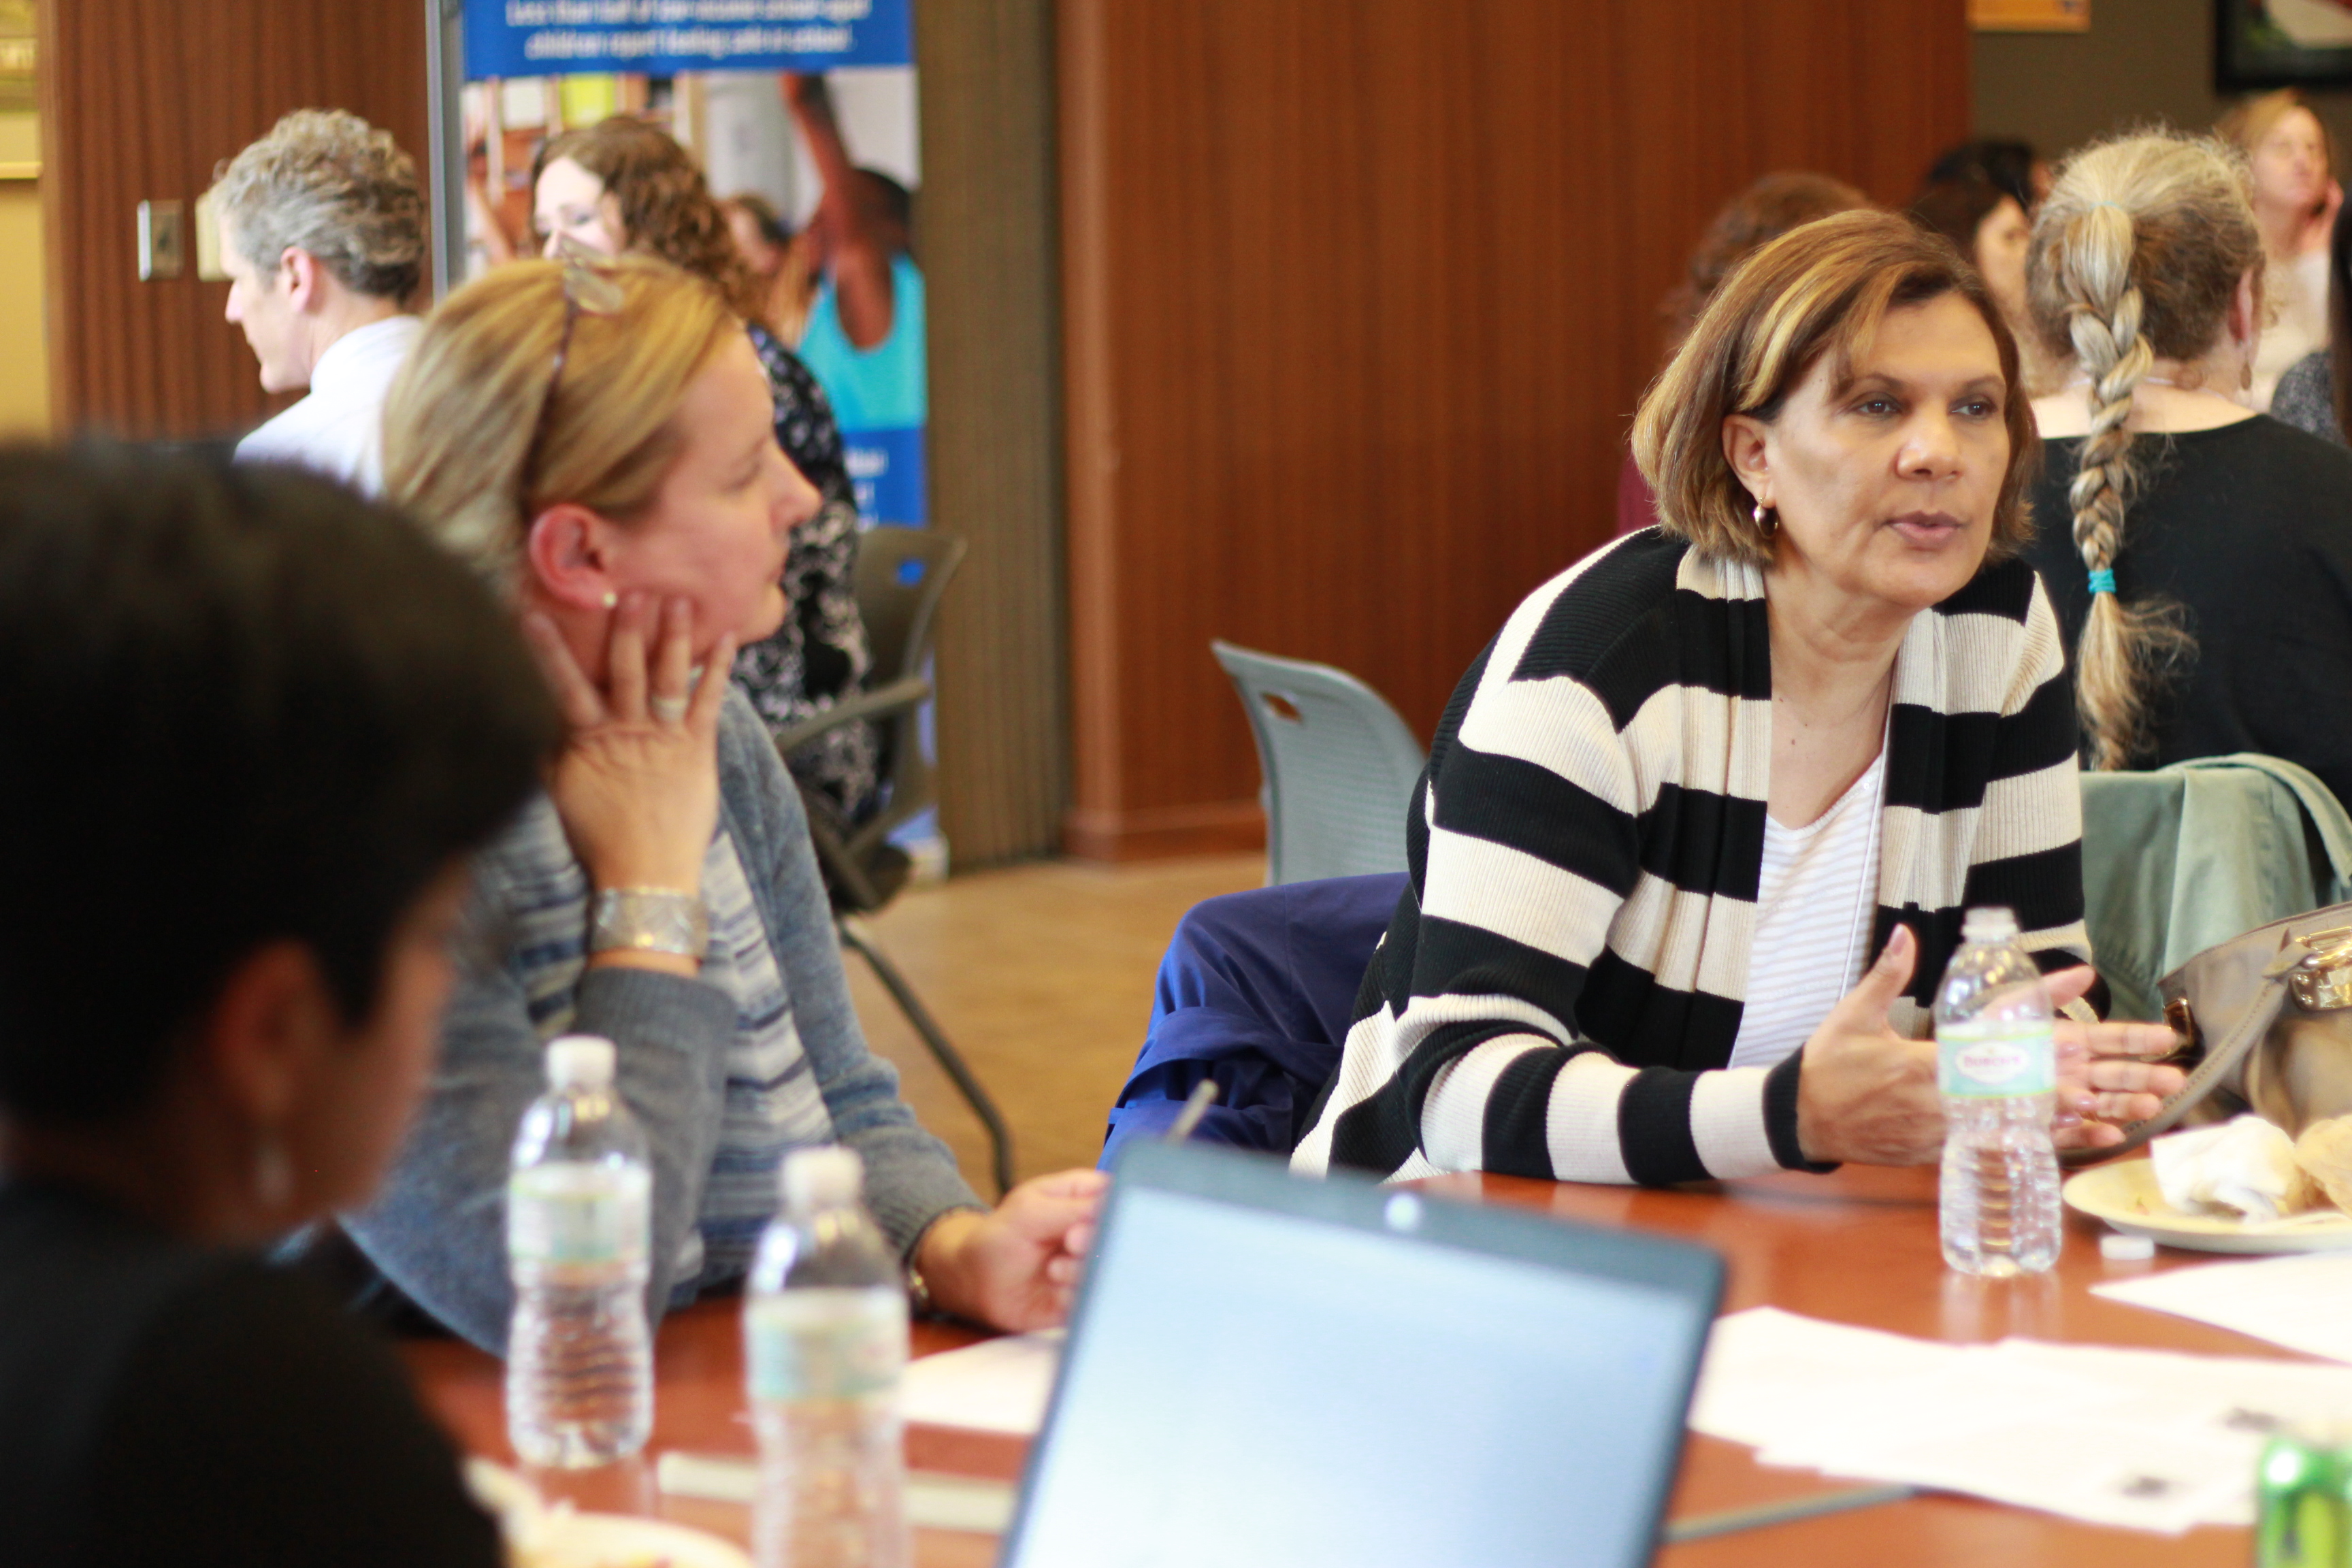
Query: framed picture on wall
point(17, 49)
point(2281, 43)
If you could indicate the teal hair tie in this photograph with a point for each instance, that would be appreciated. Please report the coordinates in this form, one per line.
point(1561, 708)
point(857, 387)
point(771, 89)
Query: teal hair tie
point(2103, 580)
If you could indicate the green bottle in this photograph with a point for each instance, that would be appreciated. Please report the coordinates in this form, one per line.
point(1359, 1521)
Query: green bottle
point(2301, 1490)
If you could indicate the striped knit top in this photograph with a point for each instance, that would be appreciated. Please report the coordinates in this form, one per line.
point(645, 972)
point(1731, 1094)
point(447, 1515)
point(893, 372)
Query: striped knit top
point(1560, 991)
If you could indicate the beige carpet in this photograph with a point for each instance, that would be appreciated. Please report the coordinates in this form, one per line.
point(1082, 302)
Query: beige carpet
point(1042, 975)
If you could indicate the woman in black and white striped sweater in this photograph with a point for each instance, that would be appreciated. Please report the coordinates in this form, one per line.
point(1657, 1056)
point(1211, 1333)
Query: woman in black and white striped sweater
point(1704, 774)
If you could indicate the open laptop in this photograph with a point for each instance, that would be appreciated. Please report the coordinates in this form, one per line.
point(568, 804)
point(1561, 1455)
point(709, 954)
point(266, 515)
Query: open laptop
point(1270, 1372)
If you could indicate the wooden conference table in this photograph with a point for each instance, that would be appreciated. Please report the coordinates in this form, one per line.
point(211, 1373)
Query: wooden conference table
point(1855, 1247)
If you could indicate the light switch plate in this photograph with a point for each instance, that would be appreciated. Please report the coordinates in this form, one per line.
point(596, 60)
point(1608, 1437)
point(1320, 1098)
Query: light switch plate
point(208, 255)
point(163, 239)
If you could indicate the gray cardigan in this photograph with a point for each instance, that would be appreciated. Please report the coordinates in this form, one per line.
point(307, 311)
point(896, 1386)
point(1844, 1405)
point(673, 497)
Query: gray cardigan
point(438, 1230)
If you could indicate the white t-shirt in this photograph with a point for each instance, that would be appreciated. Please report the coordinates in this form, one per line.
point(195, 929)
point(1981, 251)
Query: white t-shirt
point(1814, 903)
point(338, 428)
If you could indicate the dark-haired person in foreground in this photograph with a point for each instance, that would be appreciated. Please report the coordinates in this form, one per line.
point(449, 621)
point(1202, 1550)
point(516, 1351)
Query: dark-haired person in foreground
point(1699, 827)
point(254, 728)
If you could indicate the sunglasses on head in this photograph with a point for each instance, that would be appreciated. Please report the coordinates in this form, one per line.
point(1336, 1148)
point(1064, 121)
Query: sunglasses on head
point(589, 288)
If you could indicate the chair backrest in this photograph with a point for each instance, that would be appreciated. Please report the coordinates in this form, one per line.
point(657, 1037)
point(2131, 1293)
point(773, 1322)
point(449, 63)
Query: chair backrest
point(1339, 766)
point(901, 574)
point(2176, 859)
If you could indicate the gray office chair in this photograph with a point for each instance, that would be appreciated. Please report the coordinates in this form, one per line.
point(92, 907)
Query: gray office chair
point(902, 572)
point(1339, 766)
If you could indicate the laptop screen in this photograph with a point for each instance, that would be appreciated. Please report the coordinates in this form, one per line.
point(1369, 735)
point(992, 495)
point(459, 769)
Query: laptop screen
point(1255, 1385)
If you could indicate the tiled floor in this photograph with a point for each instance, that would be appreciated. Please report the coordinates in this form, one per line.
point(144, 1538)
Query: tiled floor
point(1042, 975)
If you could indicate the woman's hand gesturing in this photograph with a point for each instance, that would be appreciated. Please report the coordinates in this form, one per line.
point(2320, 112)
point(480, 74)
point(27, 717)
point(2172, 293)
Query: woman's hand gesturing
point(1867, 1094)
point(637, 785)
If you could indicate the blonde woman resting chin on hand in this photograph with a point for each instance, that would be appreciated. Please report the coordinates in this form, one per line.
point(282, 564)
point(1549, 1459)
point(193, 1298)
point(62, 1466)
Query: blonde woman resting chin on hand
point(598, 438)
point(1698, 831)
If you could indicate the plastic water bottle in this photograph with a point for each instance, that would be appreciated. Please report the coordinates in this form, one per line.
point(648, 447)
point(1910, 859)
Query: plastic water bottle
point(1997, 1068)
point(580, 1379)
point(825, 1341)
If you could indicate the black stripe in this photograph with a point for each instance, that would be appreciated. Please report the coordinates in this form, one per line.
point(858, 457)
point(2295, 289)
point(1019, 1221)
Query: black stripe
point(1587, 617)
point(1644, 1024)
point(1942, 762)
point(1527, 806)
point(1514, 1140)
point(1703, 842)
point(1449, 723)
point(2044, 888)
point(1458, 959)
point(2041, 734)
point(1381, 1132)
point(1938, 932)
point(1780, 1087)
point(1654, 1128)
point(1722, 645)
point(2006, 590)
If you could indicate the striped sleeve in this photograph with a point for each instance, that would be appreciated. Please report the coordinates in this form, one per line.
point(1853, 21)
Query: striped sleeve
point(1991, 782)
point(1528, 844)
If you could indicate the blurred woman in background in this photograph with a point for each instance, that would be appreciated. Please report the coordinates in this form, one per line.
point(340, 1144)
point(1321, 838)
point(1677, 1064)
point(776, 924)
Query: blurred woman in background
point(1750, 221)
point(624, 186)
point(2295, 195)
point(2314, 393)
point(1987, 226)
point(778, 256)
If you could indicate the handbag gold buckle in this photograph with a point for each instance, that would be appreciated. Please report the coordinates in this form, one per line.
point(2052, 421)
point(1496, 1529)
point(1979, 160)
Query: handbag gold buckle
point(2323, 980)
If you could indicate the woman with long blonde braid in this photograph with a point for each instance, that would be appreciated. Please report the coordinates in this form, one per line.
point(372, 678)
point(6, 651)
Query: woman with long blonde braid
point(2204, 581)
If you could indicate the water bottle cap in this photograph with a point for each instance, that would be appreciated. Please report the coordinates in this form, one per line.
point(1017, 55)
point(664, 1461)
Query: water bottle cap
point(580, 1061)
point(823, 1178)
point(1991, 924)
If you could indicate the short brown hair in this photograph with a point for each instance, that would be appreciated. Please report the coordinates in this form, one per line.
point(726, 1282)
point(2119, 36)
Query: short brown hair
point(460, 422)
point(667, 208)
point(1819, 289)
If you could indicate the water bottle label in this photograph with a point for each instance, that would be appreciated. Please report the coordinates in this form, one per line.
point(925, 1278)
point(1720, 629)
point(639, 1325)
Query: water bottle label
point(579, 1213)
point(1987, 1061)
point(821, 1343)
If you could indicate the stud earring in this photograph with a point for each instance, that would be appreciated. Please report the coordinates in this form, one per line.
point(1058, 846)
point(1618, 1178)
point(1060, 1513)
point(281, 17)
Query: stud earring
point(611, 598)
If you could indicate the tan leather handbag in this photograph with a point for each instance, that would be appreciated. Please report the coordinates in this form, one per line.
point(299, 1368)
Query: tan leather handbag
point(2268, 1021)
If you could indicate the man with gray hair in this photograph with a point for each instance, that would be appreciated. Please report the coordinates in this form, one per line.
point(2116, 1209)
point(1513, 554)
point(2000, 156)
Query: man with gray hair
point(323, 237)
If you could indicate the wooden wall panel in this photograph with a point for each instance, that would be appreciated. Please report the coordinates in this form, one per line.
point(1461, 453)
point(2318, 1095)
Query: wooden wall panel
point(1359, 299)
point(141, 101)
point(990, 265)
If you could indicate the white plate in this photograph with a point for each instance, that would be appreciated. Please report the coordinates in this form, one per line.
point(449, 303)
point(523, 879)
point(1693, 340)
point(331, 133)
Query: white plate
point(2124, 1195)
point(618, 1540)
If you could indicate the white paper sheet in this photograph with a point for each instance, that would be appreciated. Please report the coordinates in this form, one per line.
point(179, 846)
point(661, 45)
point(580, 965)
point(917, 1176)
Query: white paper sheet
point(997, 1385)
point(2303, 1303)
point(2145, 1439)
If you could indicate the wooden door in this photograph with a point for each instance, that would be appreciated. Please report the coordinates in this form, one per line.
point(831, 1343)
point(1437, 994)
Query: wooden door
point(1359, 299)
point(141, 101)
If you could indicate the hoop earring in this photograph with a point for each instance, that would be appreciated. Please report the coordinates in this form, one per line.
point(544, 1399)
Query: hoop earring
point(273, 1174)
point(1769, 524)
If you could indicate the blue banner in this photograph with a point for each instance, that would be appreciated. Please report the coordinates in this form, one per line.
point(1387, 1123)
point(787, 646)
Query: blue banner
point(887, 469)
point(663, 37)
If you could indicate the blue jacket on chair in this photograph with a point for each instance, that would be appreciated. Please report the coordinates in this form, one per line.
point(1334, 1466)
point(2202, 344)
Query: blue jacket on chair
point(1257, 991)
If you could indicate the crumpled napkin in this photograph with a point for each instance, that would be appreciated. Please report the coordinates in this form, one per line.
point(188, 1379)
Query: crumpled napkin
point(2244, 1165)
